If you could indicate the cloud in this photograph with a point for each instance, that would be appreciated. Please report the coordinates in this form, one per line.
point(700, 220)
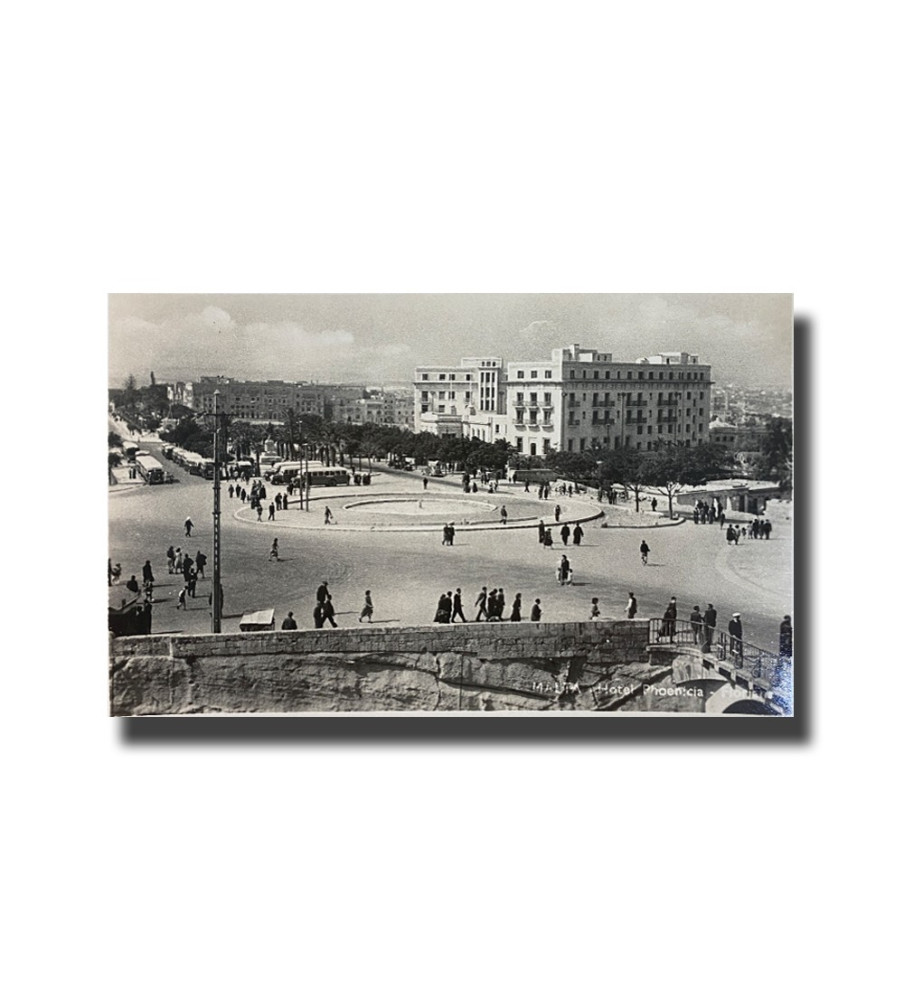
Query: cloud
point(540, 327)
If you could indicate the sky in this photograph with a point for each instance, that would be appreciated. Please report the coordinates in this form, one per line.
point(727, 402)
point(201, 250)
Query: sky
point(377, 339)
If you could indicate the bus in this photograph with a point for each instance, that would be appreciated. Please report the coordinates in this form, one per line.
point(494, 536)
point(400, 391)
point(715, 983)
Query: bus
point(328, 475)
point(150, 469)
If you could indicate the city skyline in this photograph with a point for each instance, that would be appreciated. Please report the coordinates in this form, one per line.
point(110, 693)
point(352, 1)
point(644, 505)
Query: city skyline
point(380, 338)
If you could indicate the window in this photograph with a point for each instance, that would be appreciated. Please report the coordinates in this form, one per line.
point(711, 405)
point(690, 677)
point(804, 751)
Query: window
point(520, 375)
point(596, 374)
point(424, 407)
point(547, 398)
point(451, 395)
point(425, 396)
point(608, 374)
point(533, 416)
point(533, 398)
point(533, 448)
point(533, 374)
point(546, 446)
point(519, 397)
point(468, 377)
point(519, 416)
point(442, 378)
point(547, 373)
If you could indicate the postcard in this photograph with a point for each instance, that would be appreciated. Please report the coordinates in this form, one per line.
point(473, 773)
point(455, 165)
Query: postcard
point(407, 504)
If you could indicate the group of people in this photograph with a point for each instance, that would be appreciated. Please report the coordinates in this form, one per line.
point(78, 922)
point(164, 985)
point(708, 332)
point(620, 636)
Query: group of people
point(706, 513)
point(324, 611)
point(490, 604)
point(544, 534)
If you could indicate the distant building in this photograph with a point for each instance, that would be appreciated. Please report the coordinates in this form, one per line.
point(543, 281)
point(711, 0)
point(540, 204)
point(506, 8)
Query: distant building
point(466, 400)
point(582, 399)
point(250, 400)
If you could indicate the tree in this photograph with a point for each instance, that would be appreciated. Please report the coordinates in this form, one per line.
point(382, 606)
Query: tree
point(777, 450)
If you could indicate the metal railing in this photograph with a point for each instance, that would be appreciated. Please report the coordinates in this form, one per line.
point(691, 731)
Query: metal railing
point(759, 664)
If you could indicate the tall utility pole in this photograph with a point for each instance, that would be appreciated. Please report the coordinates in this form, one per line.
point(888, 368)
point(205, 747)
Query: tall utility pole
point(217, 450)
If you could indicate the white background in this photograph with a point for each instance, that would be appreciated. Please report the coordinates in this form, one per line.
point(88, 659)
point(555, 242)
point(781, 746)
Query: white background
point(432, 147)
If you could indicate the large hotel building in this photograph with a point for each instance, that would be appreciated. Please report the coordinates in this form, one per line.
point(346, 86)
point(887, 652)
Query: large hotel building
point(578, 399)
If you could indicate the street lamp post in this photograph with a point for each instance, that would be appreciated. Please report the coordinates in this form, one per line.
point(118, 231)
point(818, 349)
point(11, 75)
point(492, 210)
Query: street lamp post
point(216, 601)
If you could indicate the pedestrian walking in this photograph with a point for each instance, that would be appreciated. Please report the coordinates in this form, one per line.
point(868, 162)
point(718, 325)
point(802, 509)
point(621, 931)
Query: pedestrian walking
point(500, 605)
point(535, 611)
point(736, 633)
point(594, 607)
point(577, 535)
point(631, 607)
point(440, 615)
point(171, 560)
point(451, 532)
point(786, 638)
point(289, 621)
point(709, 626)
point(188, 527)
point(541, 530)
point(696, 624)
point(558, 511)
point(231, 491)
point(271, 512)
point(456, 606)
point(328, 613)
point(516, 609)
point(132, 585)
point(503, 514)
point(259, 509)
point(669, 620)
point(368, 610)
point(183, 593)
point(274, 550)
point(192, 582)
point(178, 561)
point(318, 615)
point(481, 604)
point(644, 551)
point(323, 593)
point(200, 563)
point(563, 571)
point(565, 533)
point(425, 482)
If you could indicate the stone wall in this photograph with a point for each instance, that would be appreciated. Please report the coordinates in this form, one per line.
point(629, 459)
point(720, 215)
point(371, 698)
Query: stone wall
point(603, 665)
point(464, 667)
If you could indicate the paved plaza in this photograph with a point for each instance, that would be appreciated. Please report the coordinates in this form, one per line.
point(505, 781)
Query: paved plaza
point(388, 539)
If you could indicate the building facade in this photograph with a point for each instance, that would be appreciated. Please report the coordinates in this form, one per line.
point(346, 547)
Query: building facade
point(268, 401)
point(466, 400)
point(582, 399)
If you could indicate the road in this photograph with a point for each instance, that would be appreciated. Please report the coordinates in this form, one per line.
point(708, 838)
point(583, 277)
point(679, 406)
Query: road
point(407, 571)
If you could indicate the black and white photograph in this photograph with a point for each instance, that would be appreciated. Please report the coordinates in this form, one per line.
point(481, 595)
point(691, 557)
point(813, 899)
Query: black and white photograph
point(451, 503)
point(499, 500)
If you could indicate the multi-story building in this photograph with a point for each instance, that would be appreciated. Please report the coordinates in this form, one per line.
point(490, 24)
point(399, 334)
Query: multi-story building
point(466, 400)
point(261, 401)
point(582, 399)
